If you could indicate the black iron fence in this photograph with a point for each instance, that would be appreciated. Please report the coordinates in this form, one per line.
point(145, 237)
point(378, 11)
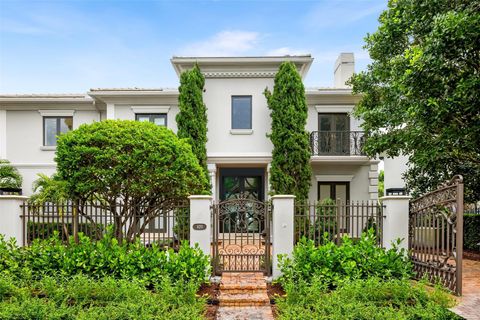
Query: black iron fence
point(164, 226)
point(338, 143)
point(317, 221)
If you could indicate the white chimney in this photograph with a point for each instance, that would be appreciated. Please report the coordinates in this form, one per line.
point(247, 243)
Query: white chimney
point(344, 69)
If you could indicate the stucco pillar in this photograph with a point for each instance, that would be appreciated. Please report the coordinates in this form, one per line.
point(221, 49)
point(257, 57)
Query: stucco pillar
point(282, 218)
point(10, 217)
point(110, 111)
point(200, 222)
point(395, 223)
point(3, 134)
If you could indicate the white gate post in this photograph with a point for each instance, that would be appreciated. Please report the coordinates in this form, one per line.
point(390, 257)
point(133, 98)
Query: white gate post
point(395, 224)
point(10, 212)
point(200, 222)
point(282, 230)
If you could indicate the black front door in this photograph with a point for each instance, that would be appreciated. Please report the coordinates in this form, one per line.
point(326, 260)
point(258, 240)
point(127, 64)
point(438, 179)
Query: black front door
point(242, 183)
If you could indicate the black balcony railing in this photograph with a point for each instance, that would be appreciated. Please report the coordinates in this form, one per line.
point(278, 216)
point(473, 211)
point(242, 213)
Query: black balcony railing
point(337, 143)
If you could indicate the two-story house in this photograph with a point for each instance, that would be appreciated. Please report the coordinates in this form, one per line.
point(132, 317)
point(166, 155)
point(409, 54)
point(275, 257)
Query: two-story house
point(238, 149)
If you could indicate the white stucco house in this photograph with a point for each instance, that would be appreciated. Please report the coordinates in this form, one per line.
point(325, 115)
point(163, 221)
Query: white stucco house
point(239, 152)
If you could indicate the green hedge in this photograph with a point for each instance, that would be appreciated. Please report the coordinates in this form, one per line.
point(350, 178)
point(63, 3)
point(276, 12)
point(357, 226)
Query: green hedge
point(471, 232)
point(83, 298)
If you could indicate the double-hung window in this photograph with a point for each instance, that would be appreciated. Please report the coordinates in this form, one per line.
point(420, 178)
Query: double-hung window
point(160, 119)
point(53, 127)
point(241, 112)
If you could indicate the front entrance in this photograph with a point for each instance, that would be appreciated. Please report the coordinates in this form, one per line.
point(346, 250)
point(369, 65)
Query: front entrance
point(241, 223)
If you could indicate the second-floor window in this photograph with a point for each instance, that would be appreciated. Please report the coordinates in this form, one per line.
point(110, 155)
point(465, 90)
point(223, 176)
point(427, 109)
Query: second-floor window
point(53, 127)
point(241, 112)
point(333, 134)
point(160, 119)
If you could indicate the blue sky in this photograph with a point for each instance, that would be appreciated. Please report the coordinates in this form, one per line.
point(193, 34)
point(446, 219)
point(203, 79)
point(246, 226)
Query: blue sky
point(72, 46)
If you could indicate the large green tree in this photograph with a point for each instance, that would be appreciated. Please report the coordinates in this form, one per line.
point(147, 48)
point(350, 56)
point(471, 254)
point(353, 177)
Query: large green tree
point(139, 165)
point(192, 118)
point(290, 171)
point(421, 93)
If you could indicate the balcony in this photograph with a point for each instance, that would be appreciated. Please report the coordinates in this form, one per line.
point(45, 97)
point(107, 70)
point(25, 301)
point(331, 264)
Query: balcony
point(337, 143)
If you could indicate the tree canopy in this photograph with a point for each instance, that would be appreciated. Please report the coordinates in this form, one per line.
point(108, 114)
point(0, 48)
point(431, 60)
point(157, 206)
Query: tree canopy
point(144, 167)
point(192, 118)
point(290, 171)
point(421, 93)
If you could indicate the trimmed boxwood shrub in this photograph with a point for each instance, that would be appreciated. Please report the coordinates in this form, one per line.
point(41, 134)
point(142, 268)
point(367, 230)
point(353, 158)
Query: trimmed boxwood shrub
point(471, 232)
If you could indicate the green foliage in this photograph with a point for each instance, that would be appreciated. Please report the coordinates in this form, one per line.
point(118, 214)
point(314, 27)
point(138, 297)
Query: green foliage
point(381, 184)
point(107, 257)
point(81, 297)
point(44, 230)
point(364, 299)
point(471, 232)
point(192, 118)
point(421, 94)
point(290, 172)
point(333, 265)
point(49, 189)
point(326, 221)
point(9, 175)
point(143, 166)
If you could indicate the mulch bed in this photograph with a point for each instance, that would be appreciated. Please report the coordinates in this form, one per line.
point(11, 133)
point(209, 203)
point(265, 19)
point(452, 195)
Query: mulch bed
point(211, 291)
point(472, 255)
point(274, 290)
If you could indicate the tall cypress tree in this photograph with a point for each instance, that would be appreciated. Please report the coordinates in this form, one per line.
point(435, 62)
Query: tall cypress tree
point(290, 169)
point(192, 118)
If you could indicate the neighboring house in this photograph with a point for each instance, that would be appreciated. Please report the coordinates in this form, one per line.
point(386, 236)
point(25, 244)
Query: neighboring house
point(238, 149)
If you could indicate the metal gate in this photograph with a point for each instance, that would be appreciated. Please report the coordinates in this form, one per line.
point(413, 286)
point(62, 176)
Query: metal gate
point(241, 236)
point(436, 235)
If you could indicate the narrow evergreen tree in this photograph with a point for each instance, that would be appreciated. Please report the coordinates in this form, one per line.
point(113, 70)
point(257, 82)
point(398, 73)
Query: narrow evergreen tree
point(290, 171)
point(192, 118)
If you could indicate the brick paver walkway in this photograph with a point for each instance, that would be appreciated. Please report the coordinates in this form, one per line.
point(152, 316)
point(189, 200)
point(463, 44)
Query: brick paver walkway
point(469, 303)
point(243, 296)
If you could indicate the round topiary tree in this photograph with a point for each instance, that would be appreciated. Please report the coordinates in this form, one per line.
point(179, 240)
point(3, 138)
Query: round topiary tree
point(290, 172)
point(144, 167)
point(10, 178)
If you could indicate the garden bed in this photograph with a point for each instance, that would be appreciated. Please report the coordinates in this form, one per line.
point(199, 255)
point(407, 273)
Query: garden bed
point(210, 291)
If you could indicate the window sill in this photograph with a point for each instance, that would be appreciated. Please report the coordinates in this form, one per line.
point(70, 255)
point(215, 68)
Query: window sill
point(48, 148)
point(241, 131)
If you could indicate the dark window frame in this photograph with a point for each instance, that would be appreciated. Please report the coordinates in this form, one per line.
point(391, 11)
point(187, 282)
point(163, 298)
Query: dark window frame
point(332, 115)
point(251, 111)
point(332, 188)
point(151, 117)
point(57, 131)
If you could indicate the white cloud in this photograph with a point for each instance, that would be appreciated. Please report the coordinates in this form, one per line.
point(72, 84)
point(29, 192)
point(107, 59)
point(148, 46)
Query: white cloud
point(224, 43)
point(286, 51)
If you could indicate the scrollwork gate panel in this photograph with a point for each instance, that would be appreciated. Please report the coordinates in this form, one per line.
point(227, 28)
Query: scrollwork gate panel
point(241, 236)
point(436, 235)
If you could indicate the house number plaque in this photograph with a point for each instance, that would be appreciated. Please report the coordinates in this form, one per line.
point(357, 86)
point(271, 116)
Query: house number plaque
point(199, 226)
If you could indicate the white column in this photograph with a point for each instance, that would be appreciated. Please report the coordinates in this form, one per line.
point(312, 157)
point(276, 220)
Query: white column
point(395, 223)
point(110, 111)
point(269, 186)
point(200, 222)
point(11, 222)
point(3, 134)
point(282, 218)
point(212, 173)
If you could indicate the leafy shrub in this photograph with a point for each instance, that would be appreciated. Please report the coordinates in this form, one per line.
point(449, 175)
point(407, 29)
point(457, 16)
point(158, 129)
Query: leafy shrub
point(326, 221)
point(81, 297)
point(333, 265)
point(106, 257)
point(9, 176)
point(471, 232)
point(371, 298)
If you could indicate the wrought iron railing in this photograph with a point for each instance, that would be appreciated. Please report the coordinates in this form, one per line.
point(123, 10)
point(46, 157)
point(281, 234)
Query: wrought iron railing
point(352, 219)
point(337, 143)
point(166, 227)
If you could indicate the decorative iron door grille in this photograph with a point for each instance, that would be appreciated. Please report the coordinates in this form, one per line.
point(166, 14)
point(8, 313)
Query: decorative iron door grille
point(241, 236)
point(436, 235)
